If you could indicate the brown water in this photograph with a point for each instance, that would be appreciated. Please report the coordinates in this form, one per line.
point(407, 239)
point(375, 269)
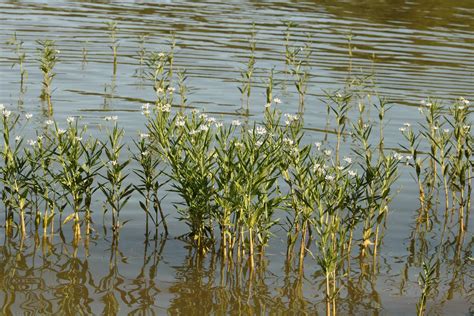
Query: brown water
point(422, 48)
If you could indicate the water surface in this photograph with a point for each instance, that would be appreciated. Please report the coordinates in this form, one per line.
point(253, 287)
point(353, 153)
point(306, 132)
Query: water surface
point(414, 49)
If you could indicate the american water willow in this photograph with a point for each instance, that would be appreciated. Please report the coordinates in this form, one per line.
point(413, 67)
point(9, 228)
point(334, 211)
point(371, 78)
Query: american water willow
point(233, 180)
point(238, 181)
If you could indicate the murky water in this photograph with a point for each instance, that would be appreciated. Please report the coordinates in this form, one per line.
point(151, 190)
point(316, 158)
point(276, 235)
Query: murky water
point(414, 48)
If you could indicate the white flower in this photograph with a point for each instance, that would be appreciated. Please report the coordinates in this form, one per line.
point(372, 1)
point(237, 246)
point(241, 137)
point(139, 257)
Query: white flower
point(40, 138)
point(397, 156)
point(6, 113)
point(161, 55)
point(407, 124)
point(195, 111)
point(348, 160)
point(145, 153)
point(260, 130)
point(146, 106)
point(329, 178)
point(204, 128)
point(429, 104)
point(290, 118)
point(446, 130)
point(70, 120)
point(78, 138)
point(180, 122)
point(402, 129)
point(31, 142)
point(420, 109)
point(49, 122)
point(239, 145)
point(146, 112)
point(352, 173)
point(219, 124)
point(461, 107)
point(165, 108)
point(236, 123)
point(365, 125)
point(203, 116)
point(317, 167)
point(144, 135)
point(423, 102)
point(258, 143)
point(18, 138)
point(327, 152)
point(338, 95)
point(435, 128)
point(28, 116)
point(340, 168)
point(466, 127)
point(277, 100)
point(113, 162)
point(193, 132)
point(463, 100)
point(171, 89)
point(61, 131)
point(211, 120)
point(318, 145)
point(288, 141)
point(268, 105)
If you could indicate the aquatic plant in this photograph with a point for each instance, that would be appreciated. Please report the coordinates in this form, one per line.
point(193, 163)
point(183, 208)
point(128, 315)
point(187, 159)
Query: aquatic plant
point(247, 73)
point(48, 60)
point(20, 57)
point(84, 52)
point(117, 192)
point(141, 55)
point(114, 43)
point(149, 173)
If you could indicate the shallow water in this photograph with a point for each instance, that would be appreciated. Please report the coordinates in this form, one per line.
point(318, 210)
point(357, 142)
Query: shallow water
point(416, 49)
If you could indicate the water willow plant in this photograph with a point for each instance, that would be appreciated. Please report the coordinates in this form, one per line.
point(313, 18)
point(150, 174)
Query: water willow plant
point(84, 53)
point(160, 73)
point(191, 157)
point(450, 150)
point(150, 173)
point(256, 184)
point(300, 71)
point(247, 73)
point(117, 192)
point(20, 57)
point(48, 59)
point(14, 179)
point(141, 55)
point(70, 176)
point(114, 43)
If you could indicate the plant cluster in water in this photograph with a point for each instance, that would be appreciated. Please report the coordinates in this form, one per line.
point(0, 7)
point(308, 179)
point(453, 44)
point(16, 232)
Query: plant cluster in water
point(237, 180)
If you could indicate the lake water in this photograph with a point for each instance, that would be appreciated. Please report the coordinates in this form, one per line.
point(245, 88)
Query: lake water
point(414, 49)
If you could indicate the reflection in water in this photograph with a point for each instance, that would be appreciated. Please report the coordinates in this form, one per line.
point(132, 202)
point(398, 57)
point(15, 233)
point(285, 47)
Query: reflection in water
point(55, 277)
